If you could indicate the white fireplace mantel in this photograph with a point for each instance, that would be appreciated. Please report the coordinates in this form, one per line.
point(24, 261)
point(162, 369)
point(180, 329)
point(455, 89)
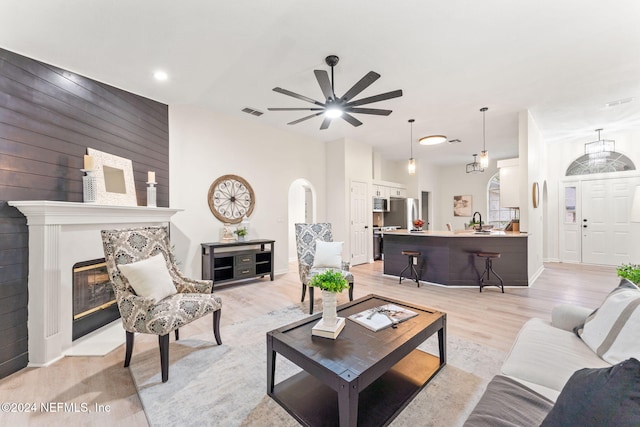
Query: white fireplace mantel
point(60, 235)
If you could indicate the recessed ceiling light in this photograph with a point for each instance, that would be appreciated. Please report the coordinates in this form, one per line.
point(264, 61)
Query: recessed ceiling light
point(160, 76)
point(432, 140)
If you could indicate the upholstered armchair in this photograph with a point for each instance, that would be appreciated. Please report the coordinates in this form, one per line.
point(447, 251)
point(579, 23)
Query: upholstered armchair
point(306, 237)
point(133, 263)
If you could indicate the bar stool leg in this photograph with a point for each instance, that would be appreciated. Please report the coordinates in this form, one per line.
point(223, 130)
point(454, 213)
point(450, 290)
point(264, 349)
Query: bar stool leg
point(405, 269)
point(495, 274)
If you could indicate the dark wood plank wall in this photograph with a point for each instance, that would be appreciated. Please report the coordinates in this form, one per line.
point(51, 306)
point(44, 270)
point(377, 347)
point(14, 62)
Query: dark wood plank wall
point(48, 118)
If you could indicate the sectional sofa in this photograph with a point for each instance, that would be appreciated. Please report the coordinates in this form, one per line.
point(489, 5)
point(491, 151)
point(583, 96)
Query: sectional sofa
point(581, 369)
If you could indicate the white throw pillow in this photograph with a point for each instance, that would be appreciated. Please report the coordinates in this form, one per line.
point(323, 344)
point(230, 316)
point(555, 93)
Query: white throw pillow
point(149, 278)
point(612, 330)
point(328, 255)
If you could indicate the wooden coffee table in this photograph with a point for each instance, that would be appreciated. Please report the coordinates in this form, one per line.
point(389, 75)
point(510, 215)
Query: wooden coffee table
point(362, 378)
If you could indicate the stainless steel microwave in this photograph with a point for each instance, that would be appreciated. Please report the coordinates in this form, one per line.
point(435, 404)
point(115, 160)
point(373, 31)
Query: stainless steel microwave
point(380, 205)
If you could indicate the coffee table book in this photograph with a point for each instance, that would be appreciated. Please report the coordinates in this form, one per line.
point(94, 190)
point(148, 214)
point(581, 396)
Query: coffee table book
point(322, 330)
point(382, 317)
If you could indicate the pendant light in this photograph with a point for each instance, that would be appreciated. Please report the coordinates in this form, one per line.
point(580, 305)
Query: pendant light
point(474, 167)
point(484, 155)
point(412, 162)
point(600, 148)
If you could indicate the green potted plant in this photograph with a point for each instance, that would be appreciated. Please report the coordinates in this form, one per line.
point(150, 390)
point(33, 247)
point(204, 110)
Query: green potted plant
point(331, 283)
point(241, 232)
point(631, 272)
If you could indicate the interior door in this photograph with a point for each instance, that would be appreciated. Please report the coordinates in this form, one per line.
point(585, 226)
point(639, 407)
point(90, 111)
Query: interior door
point(605, 225)
point(359, 223)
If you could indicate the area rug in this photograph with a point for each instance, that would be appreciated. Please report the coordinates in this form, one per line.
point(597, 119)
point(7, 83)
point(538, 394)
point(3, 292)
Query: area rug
point(211, 385)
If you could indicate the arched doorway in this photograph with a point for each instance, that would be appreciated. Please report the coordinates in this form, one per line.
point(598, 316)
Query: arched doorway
point(302, 208)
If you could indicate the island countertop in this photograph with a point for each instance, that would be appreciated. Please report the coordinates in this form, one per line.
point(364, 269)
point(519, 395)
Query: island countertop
point(451, 257)
point(456, 233)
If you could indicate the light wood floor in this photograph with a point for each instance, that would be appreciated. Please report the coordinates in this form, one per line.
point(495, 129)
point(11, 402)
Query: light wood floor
point(489, 318)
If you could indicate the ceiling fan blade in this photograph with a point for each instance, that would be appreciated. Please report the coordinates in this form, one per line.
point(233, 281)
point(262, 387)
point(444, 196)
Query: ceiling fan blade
point(295, 95)
point(376, 98)
point(375, 111)
point(295, 122)
point(295, 109)
point(325, 84)
point(325, 123)
point(349, 118)
point(361, 85)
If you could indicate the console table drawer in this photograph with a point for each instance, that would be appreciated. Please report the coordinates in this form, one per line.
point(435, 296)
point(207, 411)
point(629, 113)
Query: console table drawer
point(246, 271)
point(244, 260)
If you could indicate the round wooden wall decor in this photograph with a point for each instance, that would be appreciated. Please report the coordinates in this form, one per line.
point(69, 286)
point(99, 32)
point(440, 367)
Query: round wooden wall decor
point(535, 194)
point(231, 198)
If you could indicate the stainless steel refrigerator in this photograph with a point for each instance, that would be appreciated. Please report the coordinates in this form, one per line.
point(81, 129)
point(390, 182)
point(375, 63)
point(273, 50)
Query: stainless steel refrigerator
point(401, 213)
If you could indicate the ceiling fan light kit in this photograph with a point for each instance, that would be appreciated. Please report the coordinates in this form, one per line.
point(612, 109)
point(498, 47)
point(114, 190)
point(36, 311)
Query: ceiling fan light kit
point(334, 106)
point(432, 140)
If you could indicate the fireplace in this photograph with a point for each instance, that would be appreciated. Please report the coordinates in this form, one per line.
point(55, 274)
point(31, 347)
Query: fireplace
point(94, 301)
point(61, 234)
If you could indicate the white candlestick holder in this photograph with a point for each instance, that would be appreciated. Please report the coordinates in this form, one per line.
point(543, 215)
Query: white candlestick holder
point(151, 194)
point(89, 186)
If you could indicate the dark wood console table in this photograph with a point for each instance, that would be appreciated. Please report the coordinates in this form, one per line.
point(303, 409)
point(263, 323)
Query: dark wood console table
point(226, 262)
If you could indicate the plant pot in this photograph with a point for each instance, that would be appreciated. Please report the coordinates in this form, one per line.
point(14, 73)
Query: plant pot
point(329, 312)
point(241, 238)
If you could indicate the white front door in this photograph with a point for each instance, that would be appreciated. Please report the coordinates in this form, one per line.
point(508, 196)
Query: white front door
point(359, 222)
point(606, 229)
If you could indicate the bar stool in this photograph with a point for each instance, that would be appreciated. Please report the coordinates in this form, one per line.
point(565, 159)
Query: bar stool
point(411, 266)
point(488, 268)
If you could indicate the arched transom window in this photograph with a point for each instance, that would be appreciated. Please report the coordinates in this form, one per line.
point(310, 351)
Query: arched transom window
point(608, 162)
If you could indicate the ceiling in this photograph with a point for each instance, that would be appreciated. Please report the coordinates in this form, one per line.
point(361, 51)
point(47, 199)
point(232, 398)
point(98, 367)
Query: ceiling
point(562, 60)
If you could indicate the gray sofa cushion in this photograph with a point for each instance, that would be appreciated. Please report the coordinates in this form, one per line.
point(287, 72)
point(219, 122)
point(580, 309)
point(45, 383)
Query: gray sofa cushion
point(599, 397)
point(508, 403)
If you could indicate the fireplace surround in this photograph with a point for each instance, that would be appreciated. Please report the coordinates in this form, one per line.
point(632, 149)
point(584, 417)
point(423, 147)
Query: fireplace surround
point(60, 235)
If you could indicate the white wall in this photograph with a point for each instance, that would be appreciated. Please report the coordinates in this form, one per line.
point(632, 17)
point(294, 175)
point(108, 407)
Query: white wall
point(347, 160)
point(533, 154)
point(204, 145)
point(428, 179)
point(455, 181)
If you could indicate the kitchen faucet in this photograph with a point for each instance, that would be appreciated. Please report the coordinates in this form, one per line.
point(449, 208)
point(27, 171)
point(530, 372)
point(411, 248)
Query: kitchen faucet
point(479, 221)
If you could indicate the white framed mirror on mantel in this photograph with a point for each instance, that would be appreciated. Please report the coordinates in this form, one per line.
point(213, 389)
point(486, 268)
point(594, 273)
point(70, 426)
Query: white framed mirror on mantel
point(60, 235)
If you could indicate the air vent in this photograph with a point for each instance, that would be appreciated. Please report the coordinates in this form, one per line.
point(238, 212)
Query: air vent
point(454, 141)
point(252, 111)
point(618, 102)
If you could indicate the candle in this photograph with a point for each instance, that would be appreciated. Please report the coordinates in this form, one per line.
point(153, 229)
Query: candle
point(151, 177)
point(89, 162)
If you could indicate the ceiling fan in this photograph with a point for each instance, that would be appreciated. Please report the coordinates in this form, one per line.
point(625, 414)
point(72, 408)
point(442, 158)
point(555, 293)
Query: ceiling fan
point(333, 106)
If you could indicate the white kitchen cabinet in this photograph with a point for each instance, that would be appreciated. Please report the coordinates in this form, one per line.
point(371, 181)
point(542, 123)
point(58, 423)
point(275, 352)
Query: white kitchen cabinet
point(398, 192)
point(509, 183)
point(380, 191)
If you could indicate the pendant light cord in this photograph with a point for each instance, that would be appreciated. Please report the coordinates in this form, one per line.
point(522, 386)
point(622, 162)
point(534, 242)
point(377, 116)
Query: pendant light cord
point(484, 132)
point(411, 137)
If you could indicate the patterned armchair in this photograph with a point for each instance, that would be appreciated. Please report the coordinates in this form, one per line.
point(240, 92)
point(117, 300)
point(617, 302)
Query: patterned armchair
point(146, 315)
point(306, 236)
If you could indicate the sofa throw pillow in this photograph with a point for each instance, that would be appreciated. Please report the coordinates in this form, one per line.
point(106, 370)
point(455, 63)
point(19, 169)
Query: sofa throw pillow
point(599, 397)
point(328, 255)
point(149, 278)
point(612, 330)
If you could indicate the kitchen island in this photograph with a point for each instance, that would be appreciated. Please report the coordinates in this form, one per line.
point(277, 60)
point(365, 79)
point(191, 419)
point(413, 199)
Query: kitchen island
point(449, 257)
